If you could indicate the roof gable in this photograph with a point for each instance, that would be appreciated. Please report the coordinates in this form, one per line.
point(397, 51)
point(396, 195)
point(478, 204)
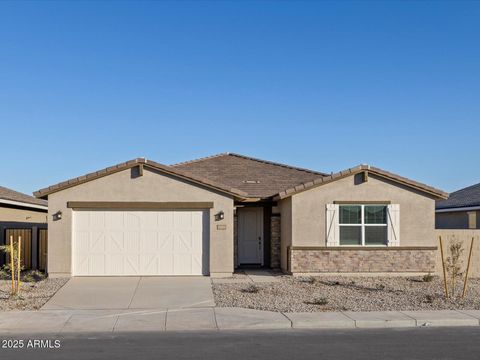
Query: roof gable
point(359, 169)
point(258, 178)
point(43, 193)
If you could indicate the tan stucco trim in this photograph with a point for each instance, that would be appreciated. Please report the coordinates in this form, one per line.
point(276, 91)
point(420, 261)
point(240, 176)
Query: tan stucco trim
point(362, 248)
point(137, 205)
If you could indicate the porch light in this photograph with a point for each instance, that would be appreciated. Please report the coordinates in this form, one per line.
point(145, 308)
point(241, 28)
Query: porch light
point(57, 216)
point(219, 216)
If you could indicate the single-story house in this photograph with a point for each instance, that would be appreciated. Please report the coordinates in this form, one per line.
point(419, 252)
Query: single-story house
point(211, 215)
point(460, 211)
point(25, 216)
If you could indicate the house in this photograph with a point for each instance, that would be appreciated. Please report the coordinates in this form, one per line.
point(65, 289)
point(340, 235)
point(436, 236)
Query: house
point(460, 211)
point(211, 215)
point(25, 216)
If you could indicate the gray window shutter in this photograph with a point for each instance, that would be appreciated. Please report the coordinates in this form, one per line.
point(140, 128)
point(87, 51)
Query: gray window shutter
point(332, 230)
point(393, 221)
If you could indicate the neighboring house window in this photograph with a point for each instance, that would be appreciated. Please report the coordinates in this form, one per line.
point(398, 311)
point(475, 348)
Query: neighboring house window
point(363, 224)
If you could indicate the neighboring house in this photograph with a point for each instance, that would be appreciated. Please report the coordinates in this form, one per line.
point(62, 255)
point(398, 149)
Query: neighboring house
point(211, 215)
point(460, 211)
point(25, 216)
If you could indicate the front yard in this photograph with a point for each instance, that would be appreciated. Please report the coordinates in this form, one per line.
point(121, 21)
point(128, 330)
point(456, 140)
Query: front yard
point(342, 293)
point(34, 292)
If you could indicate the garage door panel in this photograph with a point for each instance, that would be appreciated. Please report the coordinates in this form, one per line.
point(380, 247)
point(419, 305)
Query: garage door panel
point(165, 220)
point(96, 263)
point(115, 242)
point(140, 243)
point(97, 220)
point(165, 241)
point(150, 241)
point(132, 242)
point(97, 242)
point(113, 219)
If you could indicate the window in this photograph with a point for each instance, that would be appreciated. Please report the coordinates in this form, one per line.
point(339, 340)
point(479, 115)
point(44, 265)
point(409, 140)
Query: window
point(363, 224)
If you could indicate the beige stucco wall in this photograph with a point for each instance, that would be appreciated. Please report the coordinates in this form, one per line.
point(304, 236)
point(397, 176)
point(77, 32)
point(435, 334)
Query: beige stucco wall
point(22, 215)
point(465, 237)
point(285, 208)
point(417, 211)
point(456, 220)
point(152, 186)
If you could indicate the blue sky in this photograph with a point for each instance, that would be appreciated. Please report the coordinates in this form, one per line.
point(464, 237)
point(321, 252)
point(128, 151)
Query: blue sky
point(321, 85)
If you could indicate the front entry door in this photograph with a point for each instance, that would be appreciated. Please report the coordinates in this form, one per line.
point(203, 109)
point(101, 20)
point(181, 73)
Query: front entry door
point(250, 235)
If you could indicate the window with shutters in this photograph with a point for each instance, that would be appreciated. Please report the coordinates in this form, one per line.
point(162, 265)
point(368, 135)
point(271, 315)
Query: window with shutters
point(363, 225)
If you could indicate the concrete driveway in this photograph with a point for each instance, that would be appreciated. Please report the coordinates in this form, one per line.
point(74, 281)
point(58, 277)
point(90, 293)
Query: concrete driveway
point(119, 293)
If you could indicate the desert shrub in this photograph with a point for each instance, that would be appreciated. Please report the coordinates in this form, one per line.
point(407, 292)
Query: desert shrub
point(306, 279)
point(33, 276)
point(250, 289)
point(380, 287)
point(319, 301)
point(429, 299)
point(427, 277)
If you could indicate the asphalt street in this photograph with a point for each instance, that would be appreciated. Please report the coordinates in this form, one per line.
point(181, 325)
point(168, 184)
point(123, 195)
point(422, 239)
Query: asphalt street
point(412, 343)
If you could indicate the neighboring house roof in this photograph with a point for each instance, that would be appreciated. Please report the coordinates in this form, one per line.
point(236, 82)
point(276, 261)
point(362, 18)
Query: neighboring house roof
point(463, 198)
point(43, 193)
point(12, 197)
point(359, 169)
point(258, 178)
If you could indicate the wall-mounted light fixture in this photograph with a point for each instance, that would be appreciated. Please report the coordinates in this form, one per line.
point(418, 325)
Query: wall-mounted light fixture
point(219, 216)
point(57, 216)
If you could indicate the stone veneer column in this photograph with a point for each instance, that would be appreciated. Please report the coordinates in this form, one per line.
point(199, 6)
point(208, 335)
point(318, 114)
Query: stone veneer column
point(275, 241)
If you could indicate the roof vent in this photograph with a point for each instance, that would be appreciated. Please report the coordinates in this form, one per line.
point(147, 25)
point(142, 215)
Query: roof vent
point(251, 182)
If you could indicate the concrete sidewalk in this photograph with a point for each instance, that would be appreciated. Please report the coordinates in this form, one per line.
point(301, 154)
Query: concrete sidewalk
point(131, 320)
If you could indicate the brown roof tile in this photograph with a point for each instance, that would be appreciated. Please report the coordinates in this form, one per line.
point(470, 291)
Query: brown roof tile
point(267, 178)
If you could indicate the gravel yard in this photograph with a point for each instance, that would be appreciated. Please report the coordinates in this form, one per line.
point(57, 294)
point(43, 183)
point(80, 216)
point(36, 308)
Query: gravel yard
point(341, 293)
point(32, 295)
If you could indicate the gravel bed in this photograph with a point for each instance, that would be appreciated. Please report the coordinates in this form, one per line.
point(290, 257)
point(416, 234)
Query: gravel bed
point(312, 294)
point(32, 294)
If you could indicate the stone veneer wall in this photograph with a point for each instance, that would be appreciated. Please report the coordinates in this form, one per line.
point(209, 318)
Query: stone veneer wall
point(351, 260)
point(275, 241)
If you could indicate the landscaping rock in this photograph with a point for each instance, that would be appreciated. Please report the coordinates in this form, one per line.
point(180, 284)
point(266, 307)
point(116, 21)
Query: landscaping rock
point(346, 293)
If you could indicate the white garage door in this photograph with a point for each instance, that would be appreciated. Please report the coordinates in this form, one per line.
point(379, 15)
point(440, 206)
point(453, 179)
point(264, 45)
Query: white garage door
point(140, 243)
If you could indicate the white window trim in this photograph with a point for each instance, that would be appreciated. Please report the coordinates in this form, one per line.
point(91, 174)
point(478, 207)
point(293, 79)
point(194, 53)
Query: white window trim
point(362, 224)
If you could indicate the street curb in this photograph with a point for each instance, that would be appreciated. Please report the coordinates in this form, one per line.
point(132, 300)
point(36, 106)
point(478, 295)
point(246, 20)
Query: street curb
point(223, 319)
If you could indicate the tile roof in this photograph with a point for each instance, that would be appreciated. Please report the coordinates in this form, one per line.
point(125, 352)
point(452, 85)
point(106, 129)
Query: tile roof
point(358, 169)
point(12, 195)
point(243, 177)
point(258, 178)
point(467, 197)
point(42, 193)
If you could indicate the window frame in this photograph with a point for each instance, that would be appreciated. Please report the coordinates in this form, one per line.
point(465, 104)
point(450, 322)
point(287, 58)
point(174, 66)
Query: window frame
point(362, 224)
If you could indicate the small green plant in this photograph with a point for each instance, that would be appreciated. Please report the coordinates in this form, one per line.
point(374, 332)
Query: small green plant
point(427, 277)
point(250, 289)
point(429, 299)
point(319, 301)
point(306, 279)
point(380, 287)
point(454, 264)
